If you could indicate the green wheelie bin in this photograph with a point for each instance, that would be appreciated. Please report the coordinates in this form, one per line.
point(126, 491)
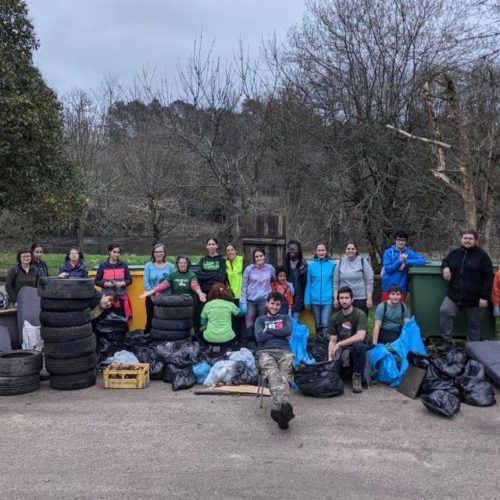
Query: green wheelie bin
point(427, 291)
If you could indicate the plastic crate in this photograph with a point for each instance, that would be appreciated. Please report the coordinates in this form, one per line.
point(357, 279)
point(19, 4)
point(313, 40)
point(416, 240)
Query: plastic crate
point(121, 376)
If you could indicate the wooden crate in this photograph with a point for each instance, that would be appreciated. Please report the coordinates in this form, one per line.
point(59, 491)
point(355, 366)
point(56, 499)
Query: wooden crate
point(118, 376)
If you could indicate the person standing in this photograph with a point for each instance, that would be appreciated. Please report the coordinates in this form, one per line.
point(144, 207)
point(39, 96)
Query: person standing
point(355, 272)
point(155, 271)
point(469, 273)
point(319, 288)
point(234, 272)
point(114, 274)
point(38, 262)
point(397, 260)
point(74, 265)
point(296, 273)
point(390, 317)
point(24, 273)
point(257, 279)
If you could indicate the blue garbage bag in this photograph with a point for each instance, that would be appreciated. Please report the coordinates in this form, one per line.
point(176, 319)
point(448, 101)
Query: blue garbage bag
point(298, 343)
point(388, 362)
point(201, 371)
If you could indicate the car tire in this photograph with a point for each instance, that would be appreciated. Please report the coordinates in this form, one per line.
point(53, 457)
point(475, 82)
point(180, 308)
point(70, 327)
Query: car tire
point(170, 335)
point(64, 305)
point(68, 318)
point(74, 381)
point(174, 312)
point(72, 365)
point(65, 333)
point(71, 349)
point(172, 324)
point(59, 288)
point(173, 300)
point(20, 363)
point(10, 386)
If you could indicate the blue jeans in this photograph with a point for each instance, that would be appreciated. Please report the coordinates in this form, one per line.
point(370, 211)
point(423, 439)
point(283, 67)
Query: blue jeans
point(322, 316)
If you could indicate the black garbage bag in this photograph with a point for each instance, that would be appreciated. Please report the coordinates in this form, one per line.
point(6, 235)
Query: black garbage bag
point(137, 338)
point(417, 360)
point(156, 369)
point(319, 350)
point(145, 354)
point(184, 379)
point(112, 323)
point(474, 369)
point(452, 364)
point(170, 372)
point(164, 350)
point(434, 380)
point(476, 392)
point(243, 374)
point(319, 380)
point(184, 354)
point(442, 403)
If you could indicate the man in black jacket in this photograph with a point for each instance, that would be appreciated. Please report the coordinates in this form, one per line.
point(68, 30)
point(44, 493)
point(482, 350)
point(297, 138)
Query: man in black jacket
point(469, 273)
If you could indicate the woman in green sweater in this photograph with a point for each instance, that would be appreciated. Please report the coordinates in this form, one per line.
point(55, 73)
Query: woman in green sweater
point(216, 326)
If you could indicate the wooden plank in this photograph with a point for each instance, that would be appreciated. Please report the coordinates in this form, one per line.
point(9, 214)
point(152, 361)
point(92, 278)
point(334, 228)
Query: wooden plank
point(235, 390)
point(264, 241)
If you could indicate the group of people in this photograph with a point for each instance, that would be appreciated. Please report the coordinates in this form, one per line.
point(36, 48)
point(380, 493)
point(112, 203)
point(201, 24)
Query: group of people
point(268, 298)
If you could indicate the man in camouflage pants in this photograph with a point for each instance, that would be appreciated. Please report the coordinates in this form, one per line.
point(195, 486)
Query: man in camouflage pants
point(272, 333)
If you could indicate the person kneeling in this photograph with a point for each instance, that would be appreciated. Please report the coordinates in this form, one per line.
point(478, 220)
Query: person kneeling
point(347, 331)
point(272, 333)
point(390, 316)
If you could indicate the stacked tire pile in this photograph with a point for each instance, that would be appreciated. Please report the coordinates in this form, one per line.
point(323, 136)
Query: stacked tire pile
point(69, 344)
point(19, 372)
point(173, 317)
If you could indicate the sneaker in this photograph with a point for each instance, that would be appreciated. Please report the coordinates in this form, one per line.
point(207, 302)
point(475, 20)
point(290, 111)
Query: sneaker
point(356, 383)
point(287, 411)
point(279, 418)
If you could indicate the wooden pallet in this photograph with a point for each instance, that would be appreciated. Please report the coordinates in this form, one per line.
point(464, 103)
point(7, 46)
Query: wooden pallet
point(121, 376)
point(235, 390)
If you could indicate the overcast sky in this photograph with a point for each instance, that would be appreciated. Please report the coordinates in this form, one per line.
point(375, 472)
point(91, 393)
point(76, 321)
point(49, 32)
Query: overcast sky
point(82, 41)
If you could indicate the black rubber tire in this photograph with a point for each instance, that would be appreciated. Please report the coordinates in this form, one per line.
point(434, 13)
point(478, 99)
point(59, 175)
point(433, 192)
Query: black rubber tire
point(65, 333)
point(20, 362)
point(71, 349)
point(173, 300)
point(10, 386)
point(172, 324)
point(63, 305)
point(72, 365)
point(73, 381)
point(174, 312)
point(170, 335)
point(59, 288)
point(68, 318)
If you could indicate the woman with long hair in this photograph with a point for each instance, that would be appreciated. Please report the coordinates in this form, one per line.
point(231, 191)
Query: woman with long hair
point(355, 272)
point(74, 265)
point(38, 262)
point(257, 279)
point(216, 317)
point(114, 274)
point(319, 287)
point(155, 271)
point(234, 272)
point(24, 273)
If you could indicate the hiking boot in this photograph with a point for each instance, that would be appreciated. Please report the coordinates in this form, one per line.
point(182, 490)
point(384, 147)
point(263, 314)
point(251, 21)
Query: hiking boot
point(279, 418)
point(356, 383)
point(287, 411)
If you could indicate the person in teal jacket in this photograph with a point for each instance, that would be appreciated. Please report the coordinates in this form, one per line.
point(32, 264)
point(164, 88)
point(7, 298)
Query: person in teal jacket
point(319, 288)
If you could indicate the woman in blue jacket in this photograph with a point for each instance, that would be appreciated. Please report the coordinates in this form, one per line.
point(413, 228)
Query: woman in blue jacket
point(319, 289)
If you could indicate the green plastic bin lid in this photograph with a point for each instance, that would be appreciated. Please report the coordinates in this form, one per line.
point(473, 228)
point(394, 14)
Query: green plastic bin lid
point(433, 267)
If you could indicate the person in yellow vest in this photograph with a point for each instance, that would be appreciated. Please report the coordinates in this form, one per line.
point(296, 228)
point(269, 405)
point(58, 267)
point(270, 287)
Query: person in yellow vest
point(234, 273)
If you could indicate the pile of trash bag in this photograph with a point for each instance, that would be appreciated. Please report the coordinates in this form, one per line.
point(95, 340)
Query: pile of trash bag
point(452, 378)
point(235, 368)
point(319, 350)
point(110, 343)
point(319, 380)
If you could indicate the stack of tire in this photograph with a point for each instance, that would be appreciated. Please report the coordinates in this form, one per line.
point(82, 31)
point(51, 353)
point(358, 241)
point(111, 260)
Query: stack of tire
point(19, 372)
point(69, 344)
point(173, 317)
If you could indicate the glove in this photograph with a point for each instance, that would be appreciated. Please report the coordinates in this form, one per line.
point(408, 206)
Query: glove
point(496, 311)
point(243, 309)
